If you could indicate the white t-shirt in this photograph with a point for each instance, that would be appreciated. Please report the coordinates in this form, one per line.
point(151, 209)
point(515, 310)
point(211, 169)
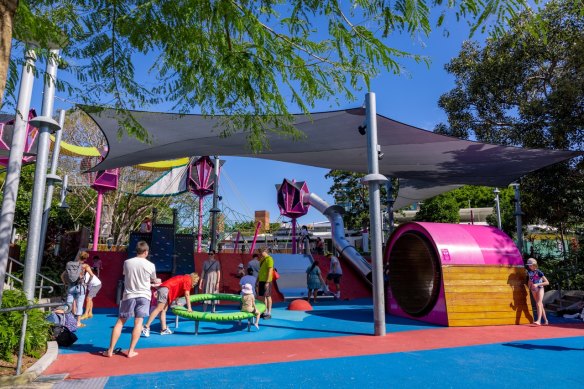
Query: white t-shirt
point(138, 273)
point(335, 266)
point(94, 281)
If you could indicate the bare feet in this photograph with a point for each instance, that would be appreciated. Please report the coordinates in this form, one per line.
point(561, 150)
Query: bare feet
point(132, 354)
point(536, 323)
point(107, 354)
point(256, 325)
point(545, 323)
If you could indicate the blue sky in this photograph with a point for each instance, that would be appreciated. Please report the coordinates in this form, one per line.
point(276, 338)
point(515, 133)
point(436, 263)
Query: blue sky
point(411, 98)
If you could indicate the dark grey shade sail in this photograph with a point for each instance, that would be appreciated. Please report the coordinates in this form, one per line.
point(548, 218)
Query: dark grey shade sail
point(426, 163)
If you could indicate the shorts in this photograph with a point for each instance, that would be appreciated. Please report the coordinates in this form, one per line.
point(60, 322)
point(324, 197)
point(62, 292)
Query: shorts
point(265, 289)
point(162, 295)
point(93, 290)
point(134, 307)
point(335, 277)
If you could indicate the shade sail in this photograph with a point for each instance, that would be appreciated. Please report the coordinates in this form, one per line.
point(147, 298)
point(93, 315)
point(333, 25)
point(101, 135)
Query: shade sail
point(426, 161)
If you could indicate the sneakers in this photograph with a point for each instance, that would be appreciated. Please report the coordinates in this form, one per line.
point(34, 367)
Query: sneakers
point(167, 331)
point(146, 331)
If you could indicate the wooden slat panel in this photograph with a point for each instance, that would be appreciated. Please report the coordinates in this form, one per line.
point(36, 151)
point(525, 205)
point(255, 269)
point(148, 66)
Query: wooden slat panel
point(486, 295)
point(479, 315)
point(487, 307)
point(486, 322)
point(483, 282)
point(479, 296)
point(477, 276)
point(481, 269)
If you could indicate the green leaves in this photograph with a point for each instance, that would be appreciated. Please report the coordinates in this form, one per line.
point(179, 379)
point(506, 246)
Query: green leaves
point(37, 330)
point(525, 88)
point(255, 60)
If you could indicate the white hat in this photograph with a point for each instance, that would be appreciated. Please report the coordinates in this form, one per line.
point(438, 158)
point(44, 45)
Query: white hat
point(240, 265)
point(247, 289)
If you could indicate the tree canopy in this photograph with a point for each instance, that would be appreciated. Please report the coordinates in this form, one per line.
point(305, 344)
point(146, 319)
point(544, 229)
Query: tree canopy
point(526, 89)
point(250, 59)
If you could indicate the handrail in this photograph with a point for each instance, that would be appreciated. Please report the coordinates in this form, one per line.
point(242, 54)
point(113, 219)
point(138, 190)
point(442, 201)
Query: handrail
point(49, 287)
point(38, 274)
point(25, 308)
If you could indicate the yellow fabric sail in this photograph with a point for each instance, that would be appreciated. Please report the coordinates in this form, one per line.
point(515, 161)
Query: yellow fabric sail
point(90, 151)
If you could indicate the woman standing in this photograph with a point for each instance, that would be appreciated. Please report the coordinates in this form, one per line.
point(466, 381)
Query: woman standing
point(210, 279)
point(314, 280)
point(536, 283)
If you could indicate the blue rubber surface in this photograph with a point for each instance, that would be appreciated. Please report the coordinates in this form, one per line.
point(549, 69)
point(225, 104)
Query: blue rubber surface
point(553, 363)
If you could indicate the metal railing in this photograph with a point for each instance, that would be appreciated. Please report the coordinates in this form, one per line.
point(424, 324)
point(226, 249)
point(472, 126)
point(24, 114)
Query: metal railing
point(41, 285)
point(24, 309)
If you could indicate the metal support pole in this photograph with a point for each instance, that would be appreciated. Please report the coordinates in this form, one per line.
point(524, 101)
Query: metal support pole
point(96, 228)
point(14, 167)
point(374, 179)
point(390, 201)
point(21, 344)
point(294, 241)
point(51, 179)
point(497, 207)
point(200, 228)
point(46, 125)
point(518, 216)
point(215, 210)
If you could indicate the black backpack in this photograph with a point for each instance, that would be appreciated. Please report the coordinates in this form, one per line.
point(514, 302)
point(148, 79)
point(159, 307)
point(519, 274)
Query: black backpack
point(73, 270)
point(63, 336)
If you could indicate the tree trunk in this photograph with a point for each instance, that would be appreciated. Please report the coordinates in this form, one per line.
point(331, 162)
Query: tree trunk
point(7, 12)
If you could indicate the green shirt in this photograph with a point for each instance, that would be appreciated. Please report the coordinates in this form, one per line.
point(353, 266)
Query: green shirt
point(265, 265)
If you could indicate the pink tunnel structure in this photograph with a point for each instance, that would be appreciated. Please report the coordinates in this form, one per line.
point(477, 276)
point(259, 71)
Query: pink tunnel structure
point(456, 275)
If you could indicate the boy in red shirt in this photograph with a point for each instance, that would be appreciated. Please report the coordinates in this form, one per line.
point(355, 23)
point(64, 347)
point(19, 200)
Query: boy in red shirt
point(170, 290)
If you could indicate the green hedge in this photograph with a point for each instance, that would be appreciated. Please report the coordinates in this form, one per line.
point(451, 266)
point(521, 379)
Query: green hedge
point(37, 329)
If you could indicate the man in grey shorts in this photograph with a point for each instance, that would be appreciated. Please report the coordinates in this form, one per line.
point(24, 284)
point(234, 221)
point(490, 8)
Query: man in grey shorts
point(139, 276)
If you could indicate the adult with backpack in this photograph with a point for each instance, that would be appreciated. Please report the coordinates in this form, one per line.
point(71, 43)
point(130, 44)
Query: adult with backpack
point(72, 277)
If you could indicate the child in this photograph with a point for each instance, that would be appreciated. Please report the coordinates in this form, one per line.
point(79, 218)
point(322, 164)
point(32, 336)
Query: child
point(97, 265)
point(536, 282)
point(248, 303)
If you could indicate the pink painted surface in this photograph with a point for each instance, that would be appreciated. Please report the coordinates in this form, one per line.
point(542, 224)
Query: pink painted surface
point(456, 244)
point(106, 180)
point(6, 139)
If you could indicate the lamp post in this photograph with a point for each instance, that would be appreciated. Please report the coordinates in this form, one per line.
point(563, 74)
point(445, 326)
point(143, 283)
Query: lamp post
point(497, 207)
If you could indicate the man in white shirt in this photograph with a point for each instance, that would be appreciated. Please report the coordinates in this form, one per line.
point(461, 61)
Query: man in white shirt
point(139, 276)
point(335, 273)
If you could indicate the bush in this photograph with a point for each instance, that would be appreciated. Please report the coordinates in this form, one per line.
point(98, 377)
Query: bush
point(37, 329)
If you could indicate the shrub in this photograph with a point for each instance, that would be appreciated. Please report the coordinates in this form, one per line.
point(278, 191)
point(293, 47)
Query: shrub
point(37, 329)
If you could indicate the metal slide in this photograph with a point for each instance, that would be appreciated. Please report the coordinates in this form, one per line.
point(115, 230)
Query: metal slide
point(347, 251)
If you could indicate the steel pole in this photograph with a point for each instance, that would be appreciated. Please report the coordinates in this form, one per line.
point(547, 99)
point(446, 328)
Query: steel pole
point(40, 177)
point(390, 201)
point(498, 208)
point(200, 229)
point(518, 220)
point(215, 210)
point(373, 179)
point(14, 167)
point(96, 228)
point(51, 179)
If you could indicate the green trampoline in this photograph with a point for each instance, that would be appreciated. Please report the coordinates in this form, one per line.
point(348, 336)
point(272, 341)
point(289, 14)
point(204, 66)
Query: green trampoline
point(198, 316)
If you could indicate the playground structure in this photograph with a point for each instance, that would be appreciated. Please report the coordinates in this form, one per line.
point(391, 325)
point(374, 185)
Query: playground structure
point(456, 275)
point(6, 131)
point(198, 316)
